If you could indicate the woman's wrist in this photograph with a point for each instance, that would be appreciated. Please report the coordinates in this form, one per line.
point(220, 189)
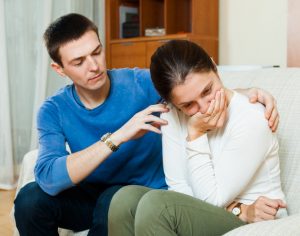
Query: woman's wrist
point(243, 215)
point(194, 134)
point(192, 137)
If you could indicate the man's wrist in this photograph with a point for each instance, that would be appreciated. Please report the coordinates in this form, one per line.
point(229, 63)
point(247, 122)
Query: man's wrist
point(106, 138)
point(116, 138)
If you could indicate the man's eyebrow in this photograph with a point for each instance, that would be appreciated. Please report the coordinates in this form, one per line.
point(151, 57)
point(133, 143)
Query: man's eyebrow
point(97, 48)
point(82, 57)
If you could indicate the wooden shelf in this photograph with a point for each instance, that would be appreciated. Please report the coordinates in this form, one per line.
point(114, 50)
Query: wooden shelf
point(195, 20)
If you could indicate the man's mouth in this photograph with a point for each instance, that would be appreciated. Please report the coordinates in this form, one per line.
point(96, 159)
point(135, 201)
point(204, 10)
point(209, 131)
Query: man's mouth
point(96, 76)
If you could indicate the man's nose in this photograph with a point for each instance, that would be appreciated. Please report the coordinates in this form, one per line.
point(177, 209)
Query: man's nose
point(93, 65)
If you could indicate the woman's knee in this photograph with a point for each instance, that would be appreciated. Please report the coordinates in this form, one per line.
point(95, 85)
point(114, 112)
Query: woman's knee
point(125, 201)
point(149, 211)
point(153, 200)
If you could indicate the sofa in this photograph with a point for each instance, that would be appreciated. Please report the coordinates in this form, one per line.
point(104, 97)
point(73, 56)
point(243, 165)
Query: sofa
point(284, 84)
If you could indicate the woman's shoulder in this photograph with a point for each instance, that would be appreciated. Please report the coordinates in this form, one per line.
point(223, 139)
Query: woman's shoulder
point(241, 106)
point(247, 121)
point(246, 115)
point(176, 119)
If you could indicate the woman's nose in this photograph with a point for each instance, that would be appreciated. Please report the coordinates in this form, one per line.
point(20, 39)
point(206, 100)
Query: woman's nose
point(203, 105)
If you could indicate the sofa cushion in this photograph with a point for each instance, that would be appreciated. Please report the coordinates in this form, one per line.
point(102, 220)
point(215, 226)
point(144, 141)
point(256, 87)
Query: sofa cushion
point(284, 84)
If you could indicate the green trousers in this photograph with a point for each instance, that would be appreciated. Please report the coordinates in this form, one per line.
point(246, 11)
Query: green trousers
point(141, 211)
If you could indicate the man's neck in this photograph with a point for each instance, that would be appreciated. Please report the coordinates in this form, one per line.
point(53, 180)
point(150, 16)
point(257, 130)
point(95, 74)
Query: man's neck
point(93, 98)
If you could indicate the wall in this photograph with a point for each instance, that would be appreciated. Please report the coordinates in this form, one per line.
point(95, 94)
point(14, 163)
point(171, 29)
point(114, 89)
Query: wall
point(253, 32)
point(100, 5)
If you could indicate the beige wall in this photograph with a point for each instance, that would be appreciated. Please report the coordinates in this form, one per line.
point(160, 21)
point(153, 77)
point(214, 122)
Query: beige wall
point(253, 32)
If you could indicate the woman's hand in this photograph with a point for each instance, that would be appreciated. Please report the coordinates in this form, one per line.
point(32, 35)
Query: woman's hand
point(141, 123)
point(214, 117)
point(265, 98)
point(262, 209)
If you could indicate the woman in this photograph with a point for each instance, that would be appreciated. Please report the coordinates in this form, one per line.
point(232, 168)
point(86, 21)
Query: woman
point(220, 157)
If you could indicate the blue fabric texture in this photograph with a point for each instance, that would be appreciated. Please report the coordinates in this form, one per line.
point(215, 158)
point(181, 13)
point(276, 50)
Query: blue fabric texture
point(63, 119)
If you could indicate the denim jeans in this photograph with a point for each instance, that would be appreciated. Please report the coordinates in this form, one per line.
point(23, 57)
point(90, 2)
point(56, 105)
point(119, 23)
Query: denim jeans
point(82, 207)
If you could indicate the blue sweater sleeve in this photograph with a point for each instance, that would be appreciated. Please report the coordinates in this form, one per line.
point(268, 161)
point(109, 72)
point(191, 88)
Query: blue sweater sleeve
point(51, 171)
point(144, 79)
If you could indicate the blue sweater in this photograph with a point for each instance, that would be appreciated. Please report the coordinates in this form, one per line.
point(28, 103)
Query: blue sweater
point(63, 119)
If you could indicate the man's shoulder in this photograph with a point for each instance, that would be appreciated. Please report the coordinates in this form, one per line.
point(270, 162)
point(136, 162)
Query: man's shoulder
point(53, 101)
point(60, 93)
point(129, 74)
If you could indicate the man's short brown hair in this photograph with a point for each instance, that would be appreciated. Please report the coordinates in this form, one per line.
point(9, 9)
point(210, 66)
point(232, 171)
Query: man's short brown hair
point(65, 29)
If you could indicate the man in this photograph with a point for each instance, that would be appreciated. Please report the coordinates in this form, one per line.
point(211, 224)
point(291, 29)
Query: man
point(104, 117)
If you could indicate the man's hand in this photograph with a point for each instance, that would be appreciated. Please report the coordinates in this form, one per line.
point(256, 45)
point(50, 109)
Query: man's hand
point(140, 123)
point(262, 209)
point(265, 98)
point(214, 117)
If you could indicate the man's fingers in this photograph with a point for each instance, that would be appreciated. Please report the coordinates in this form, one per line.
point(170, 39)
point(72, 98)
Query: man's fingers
point(275, 124)
point(151, 128)
point(272, 116)
point(253, 99)
point(152, 118)
point(253, 95)
point(155, 108)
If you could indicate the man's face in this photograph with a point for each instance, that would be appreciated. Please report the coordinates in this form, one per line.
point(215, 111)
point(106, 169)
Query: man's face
point(83, 62)
point(196, 93)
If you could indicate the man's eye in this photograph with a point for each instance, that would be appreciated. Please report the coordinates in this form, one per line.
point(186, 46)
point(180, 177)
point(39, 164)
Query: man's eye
point(78, 63)
point(97, 53)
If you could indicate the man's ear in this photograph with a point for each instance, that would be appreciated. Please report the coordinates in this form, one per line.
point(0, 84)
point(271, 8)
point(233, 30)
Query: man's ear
point(58, 69)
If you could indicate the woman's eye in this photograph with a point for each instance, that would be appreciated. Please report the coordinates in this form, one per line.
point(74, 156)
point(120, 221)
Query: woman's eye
point(207, 91)
point(187, 105)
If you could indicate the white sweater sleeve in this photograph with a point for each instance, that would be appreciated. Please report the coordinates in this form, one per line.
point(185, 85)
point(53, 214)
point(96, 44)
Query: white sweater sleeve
point(220, 181)
point(174, 160)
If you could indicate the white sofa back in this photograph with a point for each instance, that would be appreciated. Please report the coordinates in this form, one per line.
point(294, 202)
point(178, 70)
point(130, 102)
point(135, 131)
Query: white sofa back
point(284, 84)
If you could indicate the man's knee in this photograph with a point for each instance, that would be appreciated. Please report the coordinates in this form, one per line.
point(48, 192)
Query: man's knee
point(30, 199)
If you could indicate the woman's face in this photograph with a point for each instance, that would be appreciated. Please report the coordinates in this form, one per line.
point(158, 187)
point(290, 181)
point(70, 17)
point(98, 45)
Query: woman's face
point(196, 93)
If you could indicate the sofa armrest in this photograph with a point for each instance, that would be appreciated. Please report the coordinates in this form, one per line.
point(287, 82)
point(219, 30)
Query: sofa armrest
point(27, 169)
point(27, 176)
point(285, 226)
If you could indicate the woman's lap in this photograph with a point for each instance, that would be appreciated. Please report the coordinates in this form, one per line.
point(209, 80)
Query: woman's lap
point(162, 212)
